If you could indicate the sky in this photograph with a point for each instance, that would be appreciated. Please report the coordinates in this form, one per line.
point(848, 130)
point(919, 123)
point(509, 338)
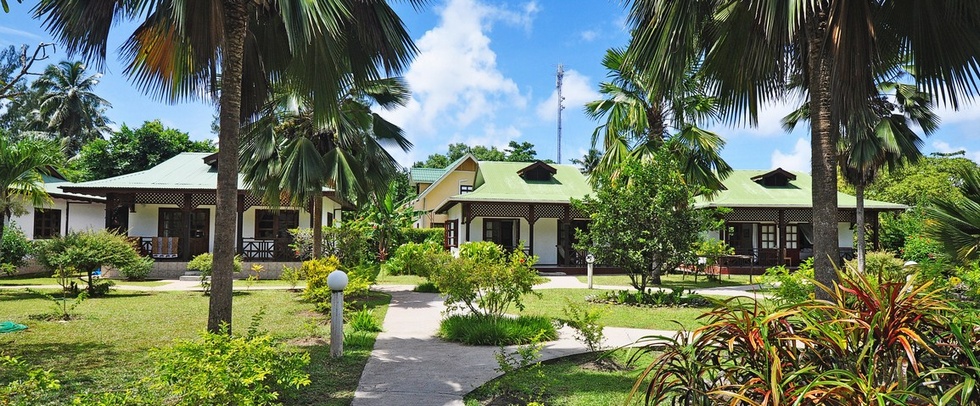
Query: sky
point(485, 74)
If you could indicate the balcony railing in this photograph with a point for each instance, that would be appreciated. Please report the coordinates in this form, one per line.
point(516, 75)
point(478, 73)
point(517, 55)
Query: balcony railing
point(267, 249)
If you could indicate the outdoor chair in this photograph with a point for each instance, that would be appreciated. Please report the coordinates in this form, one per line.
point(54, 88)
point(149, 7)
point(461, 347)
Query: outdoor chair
point(165, 247)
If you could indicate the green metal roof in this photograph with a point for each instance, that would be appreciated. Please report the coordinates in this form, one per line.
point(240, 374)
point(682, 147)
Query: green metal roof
point(186, 171)
point(741, 191)
point(499, 182)
point(53, 185)
point(427, 175)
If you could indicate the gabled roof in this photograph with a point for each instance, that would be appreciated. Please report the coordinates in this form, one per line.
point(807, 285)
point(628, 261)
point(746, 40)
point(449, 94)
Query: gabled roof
point(188, 171)
point(446, 171)
point(53, 185)
point(743, 191)
point(775, 172)
point(501, 182)
point(537, 165)
point(426, 175)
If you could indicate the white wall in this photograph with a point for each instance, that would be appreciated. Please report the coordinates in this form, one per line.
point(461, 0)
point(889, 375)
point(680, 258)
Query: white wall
point(546, 241)
point(75, 216)
point(845, 235)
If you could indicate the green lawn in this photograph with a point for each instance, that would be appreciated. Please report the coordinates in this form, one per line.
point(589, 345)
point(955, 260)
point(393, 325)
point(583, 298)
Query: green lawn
point(384, 279)
point(28, 280)
point(267, 282)
point(552, 301)
point(676, 280)
point(108, 346)
point(566, 382)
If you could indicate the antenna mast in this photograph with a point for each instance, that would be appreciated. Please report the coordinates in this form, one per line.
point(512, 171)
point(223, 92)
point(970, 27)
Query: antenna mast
point(561, 106)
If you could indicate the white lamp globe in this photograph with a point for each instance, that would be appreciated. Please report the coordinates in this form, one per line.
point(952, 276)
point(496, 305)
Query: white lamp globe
point(337, 280)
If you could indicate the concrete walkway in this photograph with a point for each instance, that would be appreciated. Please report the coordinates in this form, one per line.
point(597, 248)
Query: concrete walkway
point(411, 366)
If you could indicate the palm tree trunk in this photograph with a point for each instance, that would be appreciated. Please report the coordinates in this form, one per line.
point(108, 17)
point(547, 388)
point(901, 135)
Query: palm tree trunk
point(823, 145)
point(219, 311)
point(859, 214)
point(317, 226)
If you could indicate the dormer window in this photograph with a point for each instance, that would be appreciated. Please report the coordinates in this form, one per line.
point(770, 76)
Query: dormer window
point(465, 189)
point(537, 171)
point(775, 178)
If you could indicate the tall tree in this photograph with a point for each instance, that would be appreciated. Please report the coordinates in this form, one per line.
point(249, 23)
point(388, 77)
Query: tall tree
point(294, 155)
point(135, 149)
point(589, 161)
point(15, 65)
point(638, 121)
point(956, 222)
point(68, 105)
point(749, 50)
point(21, 166)
point(515, 152)
point(183, 49)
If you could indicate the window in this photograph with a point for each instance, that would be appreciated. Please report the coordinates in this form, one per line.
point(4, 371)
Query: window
point(792, 237)
point(271, 224)
point(171, 223)
point(451, 231)
point(465, 189)
point(47, 223)
point(501, 231)
point(768, 232)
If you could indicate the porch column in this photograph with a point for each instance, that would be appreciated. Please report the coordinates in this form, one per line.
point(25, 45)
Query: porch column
point(875, 231)
point(530, 229)
point(110, 209)
point(185, 240)
point(781, 229)
point(241, 224)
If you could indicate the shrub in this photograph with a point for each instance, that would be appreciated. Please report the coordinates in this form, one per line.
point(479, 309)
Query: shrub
point(416, 259)
point(349, 244)
point(364, 320)
point(290, 275)
point(921, 249)
point(476, 329)
point(315, 271)
point(424, 235)
point(789, 287)
point(204, 263)
point(224, 369)
point(138, 269)
point(883, 266)
point(651, 298)
point(426, 287)
point(585, 320)
point(28, 385)
point(14, 248)
point(360, 278)
point(84, 252)
point(486, 280)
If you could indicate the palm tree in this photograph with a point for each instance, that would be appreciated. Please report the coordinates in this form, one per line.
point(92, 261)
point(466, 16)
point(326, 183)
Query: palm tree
point(183, 49)
point(637, 121)
point(588, 161)
point(69, 106)
point(956, 223)
point(749, 49)
point(890, 142)
point(21, 165)
point(295, 155)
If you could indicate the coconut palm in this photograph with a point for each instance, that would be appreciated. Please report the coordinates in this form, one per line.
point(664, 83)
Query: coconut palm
point(956, 223)
point(889, 142)
point(637, 121)
point(21, 165)
point(749, 49)
point(588, 161)
point(295, 155)
point(184, 49)
point(68, 105)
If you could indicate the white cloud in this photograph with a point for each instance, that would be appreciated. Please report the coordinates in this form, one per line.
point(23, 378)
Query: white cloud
point(576, 90)
point(11, 31)
point(770, 121)
point(945, 148)
point(966, 113)
point(798, 160)
point(589, 35)
point(454, 79)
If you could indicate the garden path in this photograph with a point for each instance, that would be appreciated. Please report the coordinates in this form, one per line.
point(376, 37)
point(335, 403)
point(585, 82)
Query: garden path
point(411, 366)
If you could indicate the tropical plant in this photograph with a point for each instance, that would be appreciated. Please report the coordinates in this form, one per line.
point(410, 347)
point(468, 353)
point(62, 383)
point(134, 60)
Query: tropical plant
point(180, 47)
point(485, 279)
point(956, 224)
point(417, 259)
point(21, 165)
point(69, 106)
point(295, 154)
point(749, 50)
point(637, 122)
point(588, 162)
point(349, 242)
point(83, 252)
point(647, 225)
point(14, 247)
point(135, 149)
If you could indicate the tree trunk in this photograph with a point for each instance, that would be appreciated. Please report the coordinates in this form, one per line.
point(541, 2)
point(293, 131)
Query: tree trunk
point(219, 311)
point(317, 227)
point(859, 214)
point(823, 144)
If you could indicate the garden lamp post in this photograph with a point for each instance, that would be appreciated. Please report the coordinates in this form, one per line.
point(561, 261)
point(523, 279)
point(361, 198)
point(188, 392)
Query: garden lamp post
point(589, 262)
point(337, 281)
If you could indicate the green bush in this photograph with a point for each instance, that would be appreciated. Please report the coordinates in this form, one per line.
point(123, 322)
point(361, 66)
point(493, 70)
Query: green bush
point(221, 369)
point(790, 287)
point(84, 252)
point(364, 320)
point(204, 263)
point(585, 320)
point(486, 280)
point(417, 259)
point(426, 287)
point(26, 384)
point(360, 278)
point(14, 248)
point(474, 329)
point(137, 270)
point(424, 235)
point(921, 249)
point(290, 275)
point(349, 244)
point(884, 266)
point(315, 271)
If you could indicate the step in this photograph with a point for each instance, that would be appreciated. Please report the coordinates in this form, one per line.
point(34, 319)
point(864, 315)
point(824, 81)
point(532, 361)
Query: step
point(192, 278)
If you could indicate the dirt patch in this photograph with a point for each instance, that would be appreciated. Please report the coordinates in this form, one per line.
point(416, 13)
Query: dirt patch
point(308, 341)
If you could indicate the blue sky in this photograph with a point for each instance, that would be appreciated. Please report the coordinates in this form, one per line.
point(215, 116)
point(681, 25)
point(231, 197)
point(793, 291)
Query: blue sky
point(485, 74)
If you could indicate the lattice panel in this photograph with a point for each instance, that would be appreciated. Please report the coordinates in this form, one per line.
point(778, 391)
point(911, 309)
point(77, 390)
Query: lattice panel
point(798, 215)
point(578, 214)
point(160, 198)
point(203, 200)
point(847, 215)
point(753, 215)
point(548, 211)
point(499, 210)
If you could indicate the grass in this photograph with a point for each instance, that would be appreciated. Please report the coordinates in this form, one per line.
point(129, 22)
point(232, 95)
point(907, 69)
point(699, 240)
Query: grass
point(385, 279)
point(568, 381)
point(676, 280)
point(108, 346)
point(478, 330)
point(552, 301)
point(28, 280)
point(268, 282)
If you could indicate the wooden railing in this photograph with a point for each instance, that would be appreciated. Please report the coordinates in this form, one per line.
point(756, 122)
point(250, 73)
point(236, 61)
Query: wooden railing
point(267, 249)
